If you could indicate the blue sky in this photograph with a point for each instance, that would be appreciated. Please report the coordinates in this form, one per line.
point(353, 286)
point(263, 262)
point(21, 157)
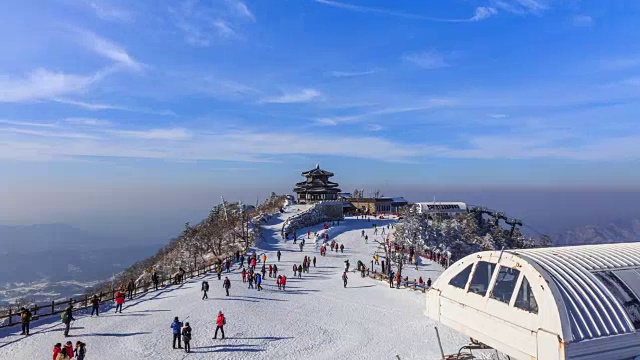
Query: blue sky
point(229, 94)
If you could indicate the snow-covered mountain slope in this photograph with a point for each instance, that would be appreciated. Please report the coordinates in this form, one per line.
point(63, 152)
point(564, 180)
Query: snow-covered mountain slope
point(315, 318)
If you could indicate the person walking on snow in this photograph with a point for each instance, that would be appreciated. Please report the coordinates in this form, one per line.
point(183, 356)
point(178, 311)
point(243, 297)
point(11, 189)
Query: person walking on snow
point(67, 318)
point(264, 270)
point(219, 271)
point(345, 278)
point(314, 261)
point(119, 301)
point(220, 323)
point(283, 282)
point(275, 270)
point(299, 271)
point(362, 233)
point(346, 265)
point(258, 282)
point(250, 279)
point(264, 258)
point(131, 286)
point(382, 231)
point(366, 239)
point(375, 231)
point(155, 280)
point(270, 271)
point(25, 319)
point(226, 284)
point(376, 258)
point(301, 245)
point(244, 275)
point(308, 234)
point(279, 254)
point(295, 270)
point(176, 326)
point(341, 248)
point(95, 305)
point(186, 337)
point(278, 279)
point(429, 283)
point(204, 289)
point(63, 353)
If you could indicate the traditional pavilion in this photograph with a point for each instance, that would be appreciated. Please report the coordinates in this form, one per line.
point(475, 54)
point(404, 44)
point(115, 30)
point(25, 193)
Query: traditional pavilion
point(317, 187)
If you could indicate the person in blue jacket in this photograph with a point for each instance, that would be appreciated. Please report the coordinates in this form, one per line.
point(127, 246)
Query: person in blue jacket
point(176, 325)
point(258, 282)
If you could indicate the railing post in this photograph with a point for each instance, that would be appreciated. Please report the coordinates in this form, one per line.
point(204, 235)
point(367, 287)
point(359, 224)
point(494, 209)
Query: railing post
point(10, 320)
point(53, 307)
point(35, 309)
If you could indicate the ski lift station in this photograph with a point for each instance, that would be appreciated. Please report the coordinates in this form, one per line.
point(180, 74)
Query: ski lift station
point(576, 302)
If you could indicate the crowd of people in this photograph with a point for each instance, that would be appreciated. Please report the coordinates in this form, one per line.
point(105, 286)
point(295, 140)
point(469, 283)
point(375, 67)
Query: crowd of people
point(250, 274)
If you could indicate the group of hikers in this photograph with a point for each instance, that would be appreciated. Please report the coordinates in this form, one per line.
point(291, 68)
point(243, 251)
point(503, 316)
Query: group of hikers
point(182, 332)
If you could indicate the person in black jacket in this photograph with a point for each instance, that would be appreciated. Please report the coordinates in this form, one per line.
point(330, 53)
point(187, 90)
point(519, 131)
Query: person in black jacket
point(25, 319)
point(67, 318)
point(95, 305)
point(226, 284)
point(205, 288)
point(186, 337)
point(154, 279)
point(80, 350)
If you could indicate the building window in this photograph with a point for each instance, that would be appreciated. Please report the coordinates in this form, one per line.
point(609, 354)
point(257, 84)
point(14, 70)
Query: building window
point(505, 284)
point(460, 280)
point(481, 278)
point(526, 300)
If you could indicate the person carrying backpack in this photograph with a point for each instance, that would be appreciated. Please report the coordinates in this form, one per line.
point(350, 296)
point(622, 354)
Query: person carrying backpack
point(258, 282)
point(176, 326)
point(25, 319)
point(221, 321)
point(67, 318)
point(186, 337)
point(205, 288)
point(119, 301)
point(80, 350)
point(226, 284)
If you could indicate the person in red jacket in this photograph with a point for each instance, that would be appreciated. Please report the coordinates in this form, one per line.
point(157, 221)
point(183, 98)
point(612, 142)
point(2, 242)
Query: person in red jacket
point(283, 281)
point(119, 301)
point(220, 322)
point(57, 349)
point(63, 353)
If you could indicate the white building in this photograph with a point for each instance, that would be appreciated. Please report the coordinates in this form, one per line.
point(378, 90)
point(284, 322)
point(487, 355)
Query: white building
point(580, 302)
point(438, 207)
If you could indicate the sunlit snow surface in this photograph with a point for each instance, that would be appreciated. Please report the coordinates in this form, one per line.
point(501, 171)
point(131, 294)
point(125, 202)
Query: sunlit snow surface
point(315, 318)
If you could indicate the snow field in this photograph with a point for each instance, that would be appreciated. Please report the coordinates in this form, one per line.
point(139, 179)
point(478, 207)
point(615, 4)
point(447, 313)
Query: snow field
point(315, 318)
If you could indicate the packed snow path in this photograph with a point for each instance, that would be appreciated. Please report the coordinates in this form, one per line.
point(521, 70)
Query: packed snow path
point(315, 318)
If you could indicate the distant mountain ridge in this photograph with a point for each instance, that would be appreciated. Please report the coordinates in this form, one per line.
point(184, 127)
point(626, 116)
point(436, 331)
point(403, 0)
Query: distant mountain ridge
point(627, 230)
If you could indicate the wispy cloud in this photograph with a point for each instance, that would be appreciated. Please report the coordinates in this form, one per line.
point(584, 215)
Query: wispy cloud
point(47, 133)
point(204, 23)
point(157, 134)
point(498, 116)
point(224, 30)
point(520, 7)
point(480, 13)
point(426, 60)
point(88, 121)
point(301, 96)
point(102, 106)
point(42, 84)
point(239, 9)
point(340, 74)
point(374, 127)
point(109, 50)
point(27, 123)
point(582, 20)
point(107, 11)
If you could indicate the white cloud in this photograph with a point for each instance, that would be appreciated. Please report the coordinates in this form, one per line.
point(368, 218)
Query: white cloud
point(47, 133)
point(498, 116)
point(109, 50)
point(88, 121)
point(582, 20)
point(239, 9)
point(340, 74)
point(301, 96)
point(483, 12)
point(157, 134)
point(520, 7)
point(109, 12)
point(374, 127)
point(101, 106)
point(224, 30)
point(27, 123)
point(42, 84)
point(427, 60)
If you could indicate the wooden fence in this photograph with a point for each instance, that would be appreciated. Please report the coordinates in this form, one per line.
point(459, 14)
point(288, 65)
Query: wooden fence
point(12, 316)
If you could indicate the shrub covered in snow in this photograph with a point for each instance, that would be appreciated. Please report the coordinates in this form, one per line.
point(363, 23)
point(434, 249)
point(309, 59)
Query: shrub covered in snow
point(319, 213)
